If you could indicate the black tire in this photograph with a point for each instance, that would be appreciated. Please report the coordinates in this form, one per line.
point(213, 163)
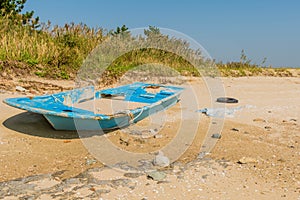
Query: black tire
point(227, 100)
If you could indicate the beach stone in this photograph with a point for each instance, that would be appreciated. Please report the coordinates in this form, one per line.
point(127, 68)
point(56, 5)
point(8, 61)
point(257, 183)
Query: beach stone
point(120, 182)
point(71, 181)
point(20, 89)
point(158, 136)
point(83, 192)
point(145, 165)
point(245, 160)
point(153, 131)
point(201, 155)
point(161, 160)
point(45, 197)
point(216, 135)
point(136, 132)
point(156, 175)
point(44, 183)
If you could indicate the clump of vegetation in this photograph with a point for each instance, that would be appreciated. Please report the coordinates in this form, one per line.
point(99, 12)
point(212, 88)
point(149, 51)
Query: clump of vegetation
point(13, 8)
point(244, 67)
point(54, 52)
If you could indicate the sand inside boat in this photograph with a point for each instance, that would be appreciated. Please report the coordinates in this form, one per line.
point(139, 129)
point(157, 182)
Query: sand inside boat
point(109, 105)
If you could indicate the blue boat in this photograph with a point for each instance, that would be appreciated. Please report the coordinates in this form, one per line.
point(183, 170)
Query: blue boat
point(79, 109)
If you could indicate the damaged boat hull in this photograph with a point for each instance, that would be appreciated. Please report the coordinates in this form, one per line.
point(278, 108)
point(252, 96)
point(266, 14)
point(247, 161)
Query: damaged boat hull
point(60, 112)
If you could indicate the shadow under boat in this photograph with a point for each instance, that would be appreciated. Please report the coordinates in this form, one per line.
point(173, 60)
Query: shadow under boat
point(36, 125)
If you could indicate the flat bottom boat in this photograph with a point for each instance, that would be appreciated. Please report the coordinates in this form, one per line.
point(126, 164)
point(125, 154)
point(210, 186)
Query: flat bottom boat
point(87, 109)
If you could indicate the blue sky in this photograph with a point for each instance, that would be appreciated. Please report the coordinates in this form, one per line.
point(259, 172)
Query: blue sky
point(263, 28)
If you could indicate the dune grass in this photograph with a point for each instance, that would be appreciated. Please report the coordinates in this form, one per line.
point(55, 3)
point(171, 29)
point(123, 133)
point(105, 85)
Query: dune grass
point(58, 52)
point(54, 52)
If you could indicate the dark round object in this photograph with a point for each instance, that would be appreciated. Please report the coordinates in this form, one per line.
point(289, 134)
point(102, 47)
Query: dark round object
point(227, 100)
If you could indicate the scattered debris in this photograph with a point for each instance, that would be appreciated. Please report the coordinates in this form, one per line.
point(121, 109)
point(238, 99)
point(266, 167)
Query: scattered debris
point(160, 182)
point(124, 141)
point(156, 175)
point(259, 120)
point(222, 112)
point(90, 161)
point(201, 155)
point(133, 175)
point(268, 127)
point(136, 132)
point(281, 160)
point(140, 140)
point(227, 100)
point(216, 135)
point(153, 131)
point(20, 89)
point(235, 129)
point(161, 160)
point(204, 176)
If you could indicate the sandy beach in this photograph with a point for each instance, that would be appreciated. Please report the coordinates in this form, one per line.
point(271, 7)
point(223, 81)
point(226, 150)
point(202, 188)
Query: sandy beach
point(257, 156)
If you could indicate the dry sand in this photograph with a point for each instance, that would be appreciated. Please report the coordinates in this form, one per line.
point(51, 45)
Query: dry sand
point(264, 137)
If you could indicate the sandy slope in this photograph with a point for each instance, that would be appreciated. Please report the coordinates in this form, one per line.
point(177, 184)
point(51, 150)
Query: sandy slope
point(265, 130)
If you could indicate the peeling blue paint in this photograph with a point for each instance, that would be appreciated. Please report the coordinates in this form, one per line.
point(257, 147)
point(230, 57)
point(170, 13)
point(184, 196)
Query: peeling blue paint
point(60, 113)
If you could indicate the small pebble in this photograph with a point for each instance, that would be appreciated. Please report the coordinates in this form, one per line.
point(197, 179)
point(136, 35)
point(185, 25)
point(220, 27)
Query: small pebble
point(216, 135)
point(161, 160)
point(268, 127)
point(158, 136)
point(245, 160)
point(156, 175)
